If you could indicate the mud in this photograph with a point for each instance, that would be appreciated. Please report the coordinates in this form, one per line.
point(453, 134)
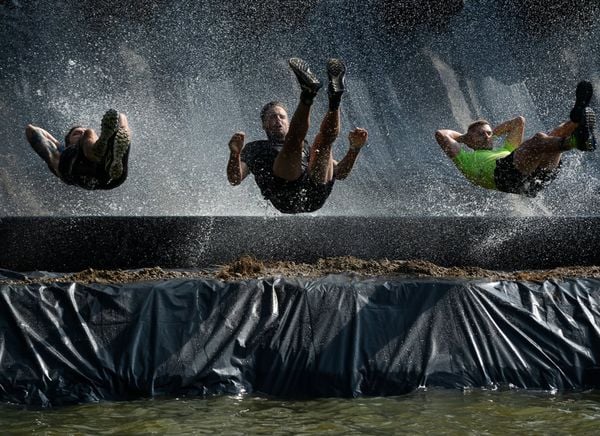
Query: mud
point(250, 268)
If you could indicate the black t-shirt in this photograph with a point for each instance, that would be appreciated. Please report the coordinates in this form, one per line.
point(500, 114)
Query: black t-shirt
point(76, 169)
point(260, 157)
point(297, 196)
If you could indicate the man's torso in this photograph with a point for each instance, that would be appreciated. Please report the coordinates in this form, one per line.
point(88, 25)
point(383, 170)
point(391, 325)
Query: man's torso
point(260, 156)
point(76, 169)
point(478, 166)
point(301, 195)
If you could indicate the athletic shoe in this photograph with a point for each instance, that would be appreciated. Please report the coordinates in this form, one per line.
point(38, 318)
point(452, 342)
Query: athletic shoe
point(110, 125)
point(584, 134)
point(306, 78)
point(336, 71)
point(583, 95)
point(119, 144)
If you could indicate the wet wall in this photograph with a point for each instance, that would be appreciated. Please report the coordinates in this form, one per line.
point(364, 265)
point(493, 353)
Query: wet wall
point(335, 336)
point(77, 243)
point(188, 74)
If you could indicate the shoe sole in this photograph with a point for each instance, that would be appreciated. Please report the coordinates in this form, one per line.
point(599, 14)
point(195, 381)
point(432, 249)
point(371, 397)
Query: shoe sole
point(109, 126)
point(307, 79)
point(336, 71)
point(590, 124)
point(121, 143)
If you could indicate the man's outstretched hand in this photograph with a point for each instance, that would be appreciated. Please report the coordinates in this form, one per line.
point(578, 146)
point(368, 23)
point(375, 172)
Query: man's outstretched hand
point(236, 143)
point(358, 138)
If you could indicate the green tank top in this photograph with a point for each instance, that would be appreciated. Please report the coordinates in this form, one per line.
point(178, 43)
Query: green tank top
point(478, 165)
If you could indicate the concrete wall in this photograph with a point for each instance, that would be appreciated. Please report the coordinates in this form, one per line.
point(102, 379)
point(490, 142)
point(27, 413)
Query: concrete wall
point(77, 243)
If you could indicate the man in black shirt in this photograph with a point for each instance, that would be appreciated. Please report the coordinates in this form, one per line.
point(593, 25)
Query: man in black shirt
point(292, 176)
point(86, 160)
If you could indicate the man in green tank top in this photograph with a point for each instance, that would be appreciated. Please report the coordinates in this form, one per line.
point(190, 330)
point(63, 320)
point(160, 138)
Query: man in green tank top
point(517, 166)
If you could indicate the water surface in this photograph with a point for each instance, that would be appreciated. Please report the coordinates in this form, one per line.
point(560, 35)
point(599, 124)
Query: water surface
point(433, 412)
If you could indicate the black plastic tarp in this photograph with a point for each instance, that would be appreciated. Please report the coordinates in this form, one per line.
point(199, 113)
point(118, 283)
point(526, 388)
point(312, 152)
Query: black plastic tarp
point(332, 336)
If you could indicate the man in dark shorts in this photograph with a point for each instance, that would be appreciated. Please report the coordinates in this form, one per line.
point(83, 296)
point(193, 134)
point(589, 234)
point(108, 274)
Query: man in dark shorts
point(292, 176)
point(520, 167)
point(86, 160)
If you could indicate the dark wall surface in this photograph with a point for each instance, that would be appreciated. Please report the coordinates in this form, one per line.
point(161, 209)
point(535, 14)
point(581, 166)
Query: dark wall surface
point(325, 337)
point(74, 244)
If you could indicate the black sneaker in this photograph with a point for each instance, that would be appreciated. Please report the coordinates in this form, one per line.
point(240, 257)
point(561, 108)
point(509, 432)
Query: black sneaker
point(584, 134)
point(110, 125)
point(336, 71)
point(306, 78)
point(119, 144)
point(583, 95)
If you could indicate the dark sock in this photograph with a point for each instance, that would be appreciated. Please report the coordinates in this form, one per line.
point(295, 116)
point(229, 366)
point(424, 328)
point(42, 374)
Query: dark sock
point(569, 143)
point(334, 102)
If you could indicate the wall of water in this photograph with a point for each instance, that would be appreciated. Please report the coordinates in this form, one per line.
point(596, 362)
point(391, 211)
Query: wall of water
point(188, 74)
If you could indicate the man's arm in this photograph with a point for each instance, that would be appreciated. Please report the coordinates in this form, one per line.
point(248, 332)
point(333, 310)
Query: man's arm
point(236, 169)
point(449, 140)
point(37, 134)
point(513, 129)
point(357, 138)
point(45, 145)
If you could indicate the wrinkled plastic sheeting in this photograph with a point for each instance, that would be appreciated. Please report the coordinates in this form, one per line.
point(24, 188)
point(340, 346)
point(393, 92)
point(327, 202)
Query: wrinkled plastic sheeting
point(332, 336)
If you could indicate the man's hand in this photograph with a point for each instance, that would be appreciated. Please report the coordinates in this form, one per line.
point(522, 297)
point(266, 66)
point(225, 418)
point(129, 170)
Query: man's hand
point(358, 138)
point(37, 134)
point(449, 141)
point(236, 169)
point(236, 143)
point(513, 129)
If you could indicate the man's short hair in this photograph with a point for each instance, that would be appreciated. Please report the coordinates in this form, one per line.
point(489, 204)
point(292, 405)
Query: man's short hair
point(477, 124)
point(266, 108)
point(69, 134)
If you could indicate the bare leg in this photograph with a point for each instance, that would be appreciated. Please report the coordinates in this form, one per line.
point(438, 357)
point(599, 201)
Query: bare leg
point(552, 160)
point(115, 130)
point(94, 147)
point(88, 145)
point(541, 151)
point(544, 151)
point(321, 164)
point(288, 163)
point(564, 130)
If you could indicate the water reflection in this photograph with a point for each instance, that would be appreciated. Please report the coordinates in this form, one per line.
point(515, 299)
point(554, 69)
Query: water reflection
point(437, 411)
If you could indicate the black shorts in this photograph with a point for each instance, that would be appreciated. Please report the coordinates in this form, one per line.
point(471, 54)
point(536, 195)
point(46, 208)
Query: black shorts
point(509, 179)
point(298, 196)
point(76, 169)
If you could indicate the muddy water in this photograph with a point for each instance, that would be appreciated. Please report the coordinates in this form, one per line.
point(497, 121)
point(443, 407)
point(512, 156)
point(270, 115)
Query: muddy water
point(430, 412)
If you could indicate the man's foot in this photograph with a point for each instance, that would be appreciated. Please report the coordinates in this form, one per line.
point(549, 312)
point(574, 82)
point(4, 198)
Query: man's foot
point(119, 144)
point(336, 71)
point(583, 95)
point(583, 137)
point(307, 80)
point(110, 125)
